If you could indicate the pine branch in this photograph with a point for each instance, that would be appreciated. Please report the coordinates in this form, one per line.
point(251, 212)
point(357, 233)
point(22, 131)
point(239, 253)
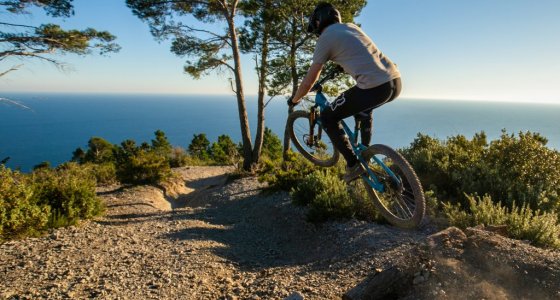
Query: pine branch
point(14, 68)
point(18, 25)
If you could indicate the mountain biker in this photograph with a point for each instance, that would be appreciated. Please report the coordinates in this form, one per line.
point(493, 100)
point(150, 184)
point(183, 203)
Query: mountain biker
point(377, 79)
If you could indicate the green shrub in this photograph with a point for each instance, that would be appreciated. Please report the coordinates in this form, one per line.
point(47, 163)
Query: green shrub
point(199, 147)
point(136, 165)
point(224, 151)
point(20, 214)
point(285, 175)
point(42, 165)
point(523, 169)
point(161, 145)
point(69, 191)
point(321, 189)
point(46, 198)
point(325, 195)
point(178, 158)
point(519, 168)
point(329, 197)
point(542, 229)
point(272, 145)
point(105, 173)
point(99, 151)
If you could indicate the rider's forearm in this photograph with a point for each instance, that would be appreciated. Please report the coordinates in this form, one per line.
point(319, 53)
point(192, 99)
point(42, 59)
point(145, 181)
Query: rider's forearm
point(302, 90)
point(308, 81)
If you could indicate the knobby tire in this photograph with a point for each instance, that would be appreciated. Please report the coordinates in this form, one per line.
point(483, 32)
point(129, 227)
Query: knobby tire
point(327, 160)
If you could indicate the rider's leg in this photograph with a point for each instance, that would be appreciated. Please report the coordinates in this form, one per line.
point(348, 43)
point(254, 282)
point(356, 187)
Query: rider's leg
point(366, 125)
point(366, 117)
point(348, 104)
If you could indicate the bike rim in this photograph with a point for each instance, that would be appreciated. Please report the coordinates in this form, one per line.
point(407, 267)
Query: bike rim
point(397, 196)
point(322, 148)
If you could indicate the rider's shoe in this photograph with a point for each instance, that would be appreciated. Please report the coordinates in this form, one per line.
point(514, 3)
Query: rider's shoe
point(353, 172)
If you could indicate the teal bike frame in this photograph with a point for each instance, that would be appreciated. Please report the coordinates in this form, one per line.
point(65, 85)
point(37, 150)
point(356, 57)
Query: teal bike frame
point(321, 102)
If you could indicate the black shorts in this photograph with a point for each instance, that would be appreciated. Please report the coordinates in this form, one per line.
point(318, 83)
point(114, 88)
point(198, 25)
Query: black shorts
point(360, 104)
point(356, 100)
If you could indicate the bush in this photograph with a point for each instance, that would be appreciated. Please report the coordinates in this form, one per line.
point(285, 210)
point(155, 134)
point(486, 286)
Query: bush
point(128, 163)
point(42, 165)
point(105, 173)
point(224, 151)
point(137, 165)
point(178, 158)
point(514, 168)
point(542, 229)
point(20, 214)
point(321, 189)
point(325, 194)
point(69, 191)
point(46, 198)
point(99, 151)
point(272, 145)
point(329, 197)
point(161, 145)
point(285, 175)
point(199, 147)
point(523, 169)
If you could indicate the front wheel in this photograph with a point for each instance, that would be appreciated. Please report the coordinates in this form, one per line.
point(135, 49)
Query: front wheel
point(310, 139)
point(401, 200)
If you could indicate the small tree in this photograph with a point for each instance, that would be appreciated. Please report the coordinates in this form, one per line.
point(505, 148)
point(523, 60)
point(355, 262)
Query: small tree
point(199, 146)
point(140, 164)
point(79, 155)
point(161, 145)
point(224, 151)
point(99, 151)
point(272, 146)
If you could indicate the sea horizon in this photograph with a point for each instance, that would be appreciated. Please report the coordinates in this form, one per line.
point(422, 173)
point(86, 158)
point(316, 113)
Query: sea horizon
point(250, 95)
point(58, 123)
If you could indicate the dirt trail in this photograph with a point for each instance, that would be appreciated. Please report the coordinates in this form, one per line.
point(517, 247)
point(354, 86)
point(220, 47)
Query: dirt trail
point(204, 238)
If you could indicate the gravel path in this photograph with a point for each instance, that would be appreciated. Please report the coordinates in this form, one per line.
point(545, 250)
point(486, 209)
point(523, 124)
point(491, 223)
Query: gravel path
point(207, 238)
point(211, 240)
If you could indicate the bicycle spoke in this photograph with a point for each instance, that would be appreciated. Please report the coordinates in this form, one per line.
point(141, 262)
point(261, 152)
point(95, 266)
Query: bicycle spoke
point(398, 198)
point(406, 208)
point(318, 149)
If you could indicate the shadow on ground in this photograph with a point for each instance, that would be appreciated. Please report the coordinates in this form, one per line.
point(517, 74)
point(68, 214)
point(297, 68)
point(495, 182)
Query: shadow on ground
point(257, 230)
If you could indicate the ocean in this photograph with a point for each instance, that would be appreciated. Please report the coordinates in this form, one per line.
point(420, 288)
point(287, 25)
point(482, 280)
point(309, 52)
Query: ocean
point(56, 124)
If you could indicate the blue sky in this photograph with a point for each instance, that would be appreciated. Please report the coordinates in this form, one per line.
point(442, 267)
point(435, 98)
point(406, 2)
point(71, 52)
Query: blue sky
point(505, 50)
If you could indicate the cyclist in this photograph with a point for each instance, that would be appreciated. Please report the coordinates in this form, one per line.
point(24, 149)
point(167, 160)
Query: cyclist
point(377, 79)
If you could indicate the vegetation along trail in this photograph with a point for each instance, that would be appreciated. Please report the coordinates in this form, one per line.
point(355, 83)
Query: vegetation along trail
point(219, 238)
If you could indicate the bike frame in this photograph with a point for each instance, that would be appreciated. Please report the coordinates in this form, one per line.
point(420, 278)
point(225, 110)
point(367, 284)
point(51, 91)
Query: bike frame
point(322, 102)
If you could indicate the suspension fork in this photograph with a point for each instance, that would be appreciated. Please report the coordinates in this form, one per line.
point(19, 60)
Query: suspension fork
point(312, 121)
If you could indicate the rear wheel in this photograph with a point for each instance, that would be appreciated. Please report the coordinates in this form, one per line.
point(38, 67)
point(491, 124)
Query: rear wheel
point(402, 200)
point(317, 147)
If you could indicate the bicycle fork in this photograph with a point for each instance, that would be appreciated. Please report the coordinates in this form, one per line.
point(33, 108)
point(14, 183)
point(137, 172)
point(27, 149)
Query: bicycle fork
point(310, 141)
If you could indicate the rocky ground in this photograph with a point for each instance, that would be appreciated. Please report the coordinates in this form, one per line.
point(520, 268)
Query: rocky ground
point(206, 237)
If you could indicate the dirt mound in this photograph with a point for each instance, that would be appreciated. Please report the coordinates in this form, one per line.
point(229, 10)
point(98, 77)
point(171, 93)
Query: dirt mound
point(483, 265)
point(204, 237)
point(476, 264)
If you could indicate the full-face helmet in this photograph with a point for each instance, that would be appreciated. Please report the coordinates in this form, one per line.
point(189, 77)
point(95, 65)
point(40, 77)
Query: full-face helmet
point(325, 14)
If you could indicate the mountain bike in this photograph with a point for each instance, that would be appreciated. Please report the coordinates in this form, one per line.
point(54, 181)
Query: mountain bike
point(389, 180)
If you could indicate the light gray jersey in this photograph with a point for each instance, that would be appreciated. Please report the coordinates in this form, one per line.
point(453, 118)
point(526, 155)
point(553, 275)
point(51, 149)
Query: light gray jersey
point(348, 46)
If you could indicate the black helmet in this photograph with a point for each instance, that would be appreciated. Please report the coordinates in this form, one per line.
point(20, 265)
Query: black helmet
point(326, 14)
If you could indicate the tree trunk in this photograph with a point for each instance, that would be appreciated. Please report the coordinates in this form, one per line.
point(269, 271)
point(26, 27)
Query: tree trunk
point(293, 68)
point(263, 72)
point(243, 119)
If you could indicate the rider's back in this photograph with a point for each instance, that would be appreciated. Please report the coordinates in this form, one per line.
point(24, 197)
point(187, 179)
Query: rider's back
point(348, 46)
